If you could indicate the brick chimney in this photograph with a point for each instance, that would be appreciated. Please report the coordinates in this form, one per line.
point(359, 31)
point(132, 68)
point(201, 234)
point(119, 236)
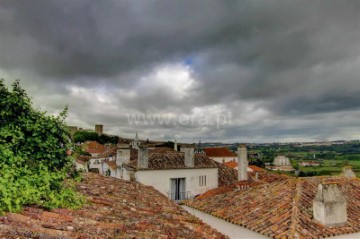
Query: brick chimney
point(122, 154)
point(143, 157)
point(242, 163)
point(189, 156)
point(329, 205)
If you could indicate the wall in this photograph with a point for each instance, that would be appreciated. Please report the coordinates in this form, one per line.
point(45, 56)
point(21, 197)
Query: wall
point(160, 179)
point(93, 164)
point(231, 230)
point(227, 159)
point(81, 167)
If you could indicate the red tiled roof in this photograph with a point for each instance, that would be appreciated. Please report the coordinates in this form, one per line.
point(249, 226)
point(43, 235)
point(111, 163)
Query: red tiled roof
point(115, 209)
point(256, 168)
point(283, 209)
point(219, 152)
point(231, 183)
point(231, 164)
point(166, 158)
point(94, 147)
point(111, 151)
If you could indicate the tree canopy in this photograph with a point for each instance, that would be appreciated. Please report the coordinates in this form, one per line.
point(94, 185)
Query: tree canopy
point(33, 154)
point(84, 135)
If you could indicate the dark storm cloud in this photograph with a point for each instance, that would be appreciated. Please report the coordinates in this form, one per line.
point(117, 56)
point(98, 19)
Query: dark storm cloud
point(286, 59)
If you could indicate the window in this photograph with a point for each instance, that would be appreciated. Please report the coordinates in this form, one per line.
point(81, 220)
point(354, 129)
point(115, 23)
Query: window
point(202, 180)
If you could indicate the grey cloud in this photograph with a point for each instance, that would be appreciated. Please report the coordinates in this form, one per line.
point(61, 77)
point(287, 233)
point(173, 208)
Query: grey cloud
point(290, 58)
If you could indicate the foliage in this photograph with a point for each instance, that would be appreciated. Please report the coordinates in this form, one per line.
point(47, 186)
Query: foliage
point(33, 159)
point(84, 135)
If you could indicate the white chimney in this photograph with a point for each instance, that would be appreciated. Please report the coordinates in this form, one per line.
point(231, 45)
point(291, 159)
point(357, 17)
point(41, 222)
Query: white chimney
point(122, 154)
point(143, 158)
point(348, 172)
point(329, 205)
point(189, 156)
point(242, 163)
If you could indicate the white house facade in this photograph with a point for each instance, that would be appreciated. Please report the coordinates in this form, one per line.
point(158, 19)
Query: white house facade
point(178, 175)
point(221, 154)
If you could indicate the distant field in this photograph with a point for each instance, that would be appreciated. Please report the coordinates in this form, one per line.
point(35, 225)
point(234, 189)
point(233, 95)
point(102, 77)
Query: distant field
point(331, 167)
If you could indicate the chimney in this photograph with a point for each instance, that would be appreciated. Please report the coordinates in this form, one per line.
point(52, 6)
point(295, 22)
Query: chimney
point(256, 176)
point(175, 145)
point(189, 156)
point(122, 154)
point(348, 172)
point(242, 163)
point(143, 158)
point(329, 205)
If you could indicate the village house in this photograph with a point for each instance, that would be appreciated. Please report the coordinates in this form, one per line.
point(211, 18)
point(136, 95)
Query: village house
point(311, 207)
point(178, 175)
point(281, 160)
point(93, 148)
point(220, 154)
point(281, 163)
point(81, 165)
point(107, 153)
point(309, 164)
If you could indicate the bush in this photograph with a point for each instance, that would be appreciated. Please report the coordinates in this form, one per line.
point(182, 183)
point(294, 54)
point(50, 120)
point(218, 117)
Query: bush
point(33, 159)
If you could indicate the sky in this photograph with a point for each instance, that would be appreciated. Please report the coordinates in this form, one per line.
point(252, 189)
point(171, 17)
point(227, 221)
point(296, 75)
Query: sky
point(229, 71)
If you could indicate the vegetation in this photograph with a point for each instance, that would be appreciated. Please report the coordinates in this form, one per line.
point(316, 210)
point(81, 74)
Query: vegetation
point(84, 135)
point(331, 157)
point(34, 164)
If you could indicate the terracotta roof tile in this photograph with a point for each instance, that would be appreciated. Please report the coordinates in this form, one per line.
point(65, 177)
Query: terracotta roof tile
point(165, 158)
point(94, 147)
point(282, 209)
point(256, 168)
point(231, 164)
point(219, 152)
point(116, 209)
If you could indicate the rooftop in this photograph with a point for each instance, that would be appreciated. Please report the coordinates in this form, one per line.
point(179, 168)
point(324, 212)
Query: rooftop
point(283, 209)
point(94, 147)
point(219, 152)
point(166, 158)
point(116, 209)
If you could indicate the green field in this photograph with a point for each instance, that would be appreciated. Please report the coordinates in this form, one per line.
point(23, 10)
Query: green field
point(331, 167)
point(332, 158)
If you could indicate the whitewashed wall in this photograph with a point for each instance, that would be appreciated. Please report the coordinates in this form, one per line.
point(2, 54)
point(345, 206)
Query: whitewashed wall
point(93, 164)
point(221, 159)
point(160, 179)
point(81, 167)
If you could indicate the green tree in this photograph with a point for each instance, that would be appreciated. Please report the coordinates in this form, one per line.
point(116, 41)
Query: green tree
point(33, 158)
point(83, 136)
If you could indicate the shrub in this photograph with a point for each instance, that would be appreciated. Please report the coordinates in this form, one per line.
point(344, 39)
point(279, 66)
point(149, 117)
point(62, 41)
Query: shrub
point(33, 159)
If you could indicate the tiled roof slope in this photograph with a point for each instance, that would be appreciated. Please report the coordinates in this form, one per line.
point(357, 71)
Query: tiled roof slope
point(283, 209)
point(219, 152)
point(94, 147)
point(111, 151)
point(231, 164)
point(169, 159)
point(116, 209)
point(227, 175)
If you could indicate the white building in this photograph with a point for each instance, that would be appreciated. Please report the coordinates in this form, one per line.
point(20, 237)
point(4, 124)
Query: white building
point(282, 161)
point(178, 175)
point(221, 154)
point(109, 168)
point(81, 165)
